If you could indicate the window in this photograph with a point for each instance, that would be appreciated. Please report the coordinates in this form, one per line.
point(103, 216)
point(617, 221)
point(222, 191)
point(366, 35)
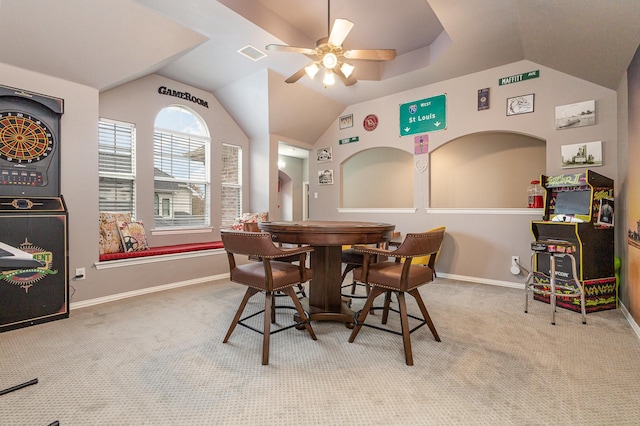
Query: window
point(181, 169)
point(116, 166)
point(231, 184)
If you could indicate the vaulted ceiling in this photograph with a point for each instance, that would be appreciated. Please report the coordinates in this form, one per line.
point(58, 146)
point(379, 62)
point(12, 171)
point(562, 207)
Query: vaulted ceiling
point(105, 43)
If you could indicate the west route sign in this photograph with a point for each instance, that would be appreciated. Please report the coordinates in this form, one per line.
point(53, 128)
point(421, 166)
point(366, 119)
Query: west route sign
point(426, 115)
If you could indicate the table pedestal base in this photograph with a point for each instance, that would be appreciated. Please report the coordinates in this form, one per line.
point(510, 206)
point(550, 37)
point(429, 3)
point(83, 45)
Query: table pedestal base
point(316, 314)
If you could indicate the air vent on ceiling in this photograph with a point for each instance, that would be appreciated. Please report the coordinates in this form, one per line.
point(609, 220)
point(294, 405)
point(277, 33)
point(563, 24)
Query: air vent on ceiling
point(252, 53)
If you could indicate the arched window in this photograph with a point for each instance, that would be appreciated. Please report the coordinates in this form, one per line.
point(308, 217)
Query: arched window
point(181, 169)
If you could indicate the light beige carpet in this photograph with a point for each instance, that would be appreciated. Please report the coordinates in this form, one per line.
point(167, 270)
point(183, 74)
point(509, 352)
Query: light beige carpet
point(159, 360)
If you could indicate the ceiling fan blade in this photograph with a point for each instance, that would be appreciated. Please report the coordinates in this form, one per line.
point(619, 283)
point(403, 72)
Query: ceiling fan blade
point(347, 81)
point(282, 48)
point(373, 54)
point(297, 76)
point(340, 30)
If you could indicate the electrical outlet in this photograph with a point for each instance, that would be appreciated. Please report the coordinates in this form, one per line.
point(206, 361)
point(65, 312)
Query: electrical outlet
point(80, 274)
point(515, 265)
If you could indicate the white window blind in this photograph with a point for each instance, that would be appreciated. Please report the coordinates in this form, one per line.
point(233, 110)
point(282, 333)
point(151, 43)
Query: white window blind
point(181, 179)
point(116, 166)
point(231, 184)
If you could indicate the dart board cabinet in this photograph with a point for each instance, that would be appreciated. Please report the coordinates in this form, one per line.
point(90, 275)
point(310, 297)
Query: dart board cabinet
point(33, 215)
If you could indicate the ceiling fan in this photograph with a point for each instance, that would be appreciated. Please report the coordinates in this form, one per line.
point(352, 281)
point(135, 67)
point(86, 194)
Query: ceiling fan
point(330, 55)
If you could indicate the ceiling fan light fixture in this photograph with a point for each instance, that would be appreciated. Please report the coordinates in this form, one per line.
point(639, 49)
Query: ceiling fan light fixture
point(329, 79)
point(330, 60)
point(312, 70)
point(347, 69)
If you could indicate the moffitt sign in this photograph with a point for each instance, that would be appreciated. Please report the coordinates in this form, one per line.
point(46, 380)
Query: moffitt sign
point(163, 90)
point(519, 77)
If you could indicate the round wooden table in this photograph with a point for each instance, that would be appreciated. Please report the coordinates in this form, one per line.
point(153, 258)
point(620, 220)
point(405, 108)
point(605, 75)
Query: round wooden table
point(327, 239)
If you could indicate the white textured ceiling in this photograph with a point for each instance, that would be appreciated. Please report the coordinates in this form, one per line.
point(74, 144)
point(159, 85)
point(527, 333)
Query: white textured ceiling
point(105, 43)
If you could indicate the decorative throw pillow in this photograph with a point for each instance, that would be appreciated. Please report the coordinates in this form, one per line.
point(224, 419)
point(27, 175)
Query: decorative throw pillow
point(133, 236)
point(110, 241)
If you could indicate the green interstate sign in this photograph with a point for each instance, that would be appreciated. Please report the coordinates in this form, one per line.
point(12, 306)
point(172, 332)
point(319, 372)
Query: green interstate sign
point(426, 115)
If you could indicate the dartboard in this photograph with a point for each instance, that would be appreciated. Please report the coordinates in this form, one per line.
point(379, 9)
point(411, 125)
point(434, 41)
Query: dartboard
point(24, 138)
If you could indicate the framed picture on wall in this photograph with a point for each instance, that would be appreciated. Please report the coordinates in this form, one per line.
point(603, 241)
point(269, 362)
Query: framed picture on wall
point(520, 105)
point(587, 154)
point(346, 121)
point(325, 177)
point(576, 115)
point(324, 154)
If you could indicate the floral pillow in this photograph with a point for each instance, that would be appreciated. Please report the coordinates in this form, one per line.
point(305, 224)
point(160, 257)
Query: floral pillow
point(249, 218)
point(133, 236)
point(110, 241)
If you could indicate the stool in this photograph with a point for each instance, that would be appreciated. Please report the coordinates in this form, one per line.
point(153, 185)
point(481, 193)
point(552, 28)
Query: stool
point(553, 289)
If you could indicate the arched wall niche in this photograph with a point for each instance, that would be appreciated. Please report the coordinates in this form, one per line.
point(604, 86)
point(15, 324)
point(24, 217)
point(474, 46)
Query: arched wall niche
point(485, 170)
point(377, 178)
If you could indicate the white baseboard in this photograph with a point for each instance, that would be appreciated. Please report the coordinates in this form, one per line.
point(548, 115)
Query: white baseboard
point(148, 290)
point(481, 280)
point(625, 312)
point(630, 320)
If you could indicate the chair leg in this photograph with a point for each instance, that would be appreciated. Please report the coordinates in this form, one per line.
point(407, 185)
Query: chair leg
point(247, 295)
point(300, 309)
point(387, 306)
point(273, 309)
point(425, 314)
point(375, 292)
point(268, 305)
point(404, 323)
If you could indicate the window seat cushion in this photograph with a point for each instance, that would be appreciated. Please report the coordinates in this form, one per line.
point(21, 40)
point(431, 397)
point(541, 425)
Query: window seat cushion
point(155, 251)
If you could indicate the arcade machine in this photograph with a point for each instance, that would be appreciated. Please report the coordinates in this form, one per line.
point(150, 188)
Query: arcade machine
point(33, 215)
point(578, 220)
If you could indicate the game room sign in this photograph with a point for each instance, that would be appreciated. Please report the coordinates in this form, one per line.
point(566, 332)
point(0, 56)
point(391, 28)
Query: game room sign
point(163, 90)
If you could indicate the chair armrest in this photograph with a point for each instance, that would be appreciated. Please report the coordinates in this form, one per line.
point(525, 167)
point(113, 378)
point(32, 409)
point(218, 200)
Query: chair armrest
point(381, 252)
point(373, 250)
point(285, 252)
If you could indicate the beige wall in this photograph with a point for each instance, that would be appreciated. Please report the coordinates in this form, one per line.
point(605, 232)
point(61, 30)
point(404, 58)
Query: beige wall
point(378, 177)
point(479, 242)
point(137, 102)
point(486, 170)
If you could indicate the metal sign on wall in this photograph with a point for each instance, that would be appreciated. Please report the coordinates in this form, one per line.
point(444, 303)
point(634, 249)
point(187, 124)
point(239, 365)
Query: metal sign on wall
point(425, 115)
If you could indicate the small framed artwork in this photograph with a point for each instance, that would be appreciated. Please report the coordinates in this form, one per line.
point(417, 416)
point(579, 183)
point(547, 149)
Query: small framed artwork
point(325, 177)
point(576, 115)
point(421, 144)
point(324, 154)
point(588, 154)
point(605, 214)
point(520, 104)
point(346, 121)
point(483, 99)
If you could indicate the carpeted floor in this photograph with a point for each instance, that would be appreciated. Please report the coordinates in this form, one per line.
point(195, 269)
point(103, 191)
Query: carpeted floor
point(159, 359)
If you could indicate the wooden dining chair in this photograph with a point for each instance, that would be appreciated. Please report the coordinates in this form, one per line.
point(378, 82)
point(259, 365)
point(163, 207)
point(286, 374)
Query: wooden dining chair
point(431, 259)
point(400, 278)
point(351, 259)
point(268, 276)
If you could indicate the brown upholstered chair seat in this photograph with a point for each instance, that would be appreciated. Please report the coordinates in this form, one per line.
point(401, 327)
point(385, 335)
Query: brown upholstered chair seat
point(252, 274)
point(386, 275)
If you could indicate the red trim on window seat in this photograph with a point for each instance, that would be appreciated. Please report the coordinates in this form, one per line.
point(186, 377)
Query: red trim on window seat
point(155, 251)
